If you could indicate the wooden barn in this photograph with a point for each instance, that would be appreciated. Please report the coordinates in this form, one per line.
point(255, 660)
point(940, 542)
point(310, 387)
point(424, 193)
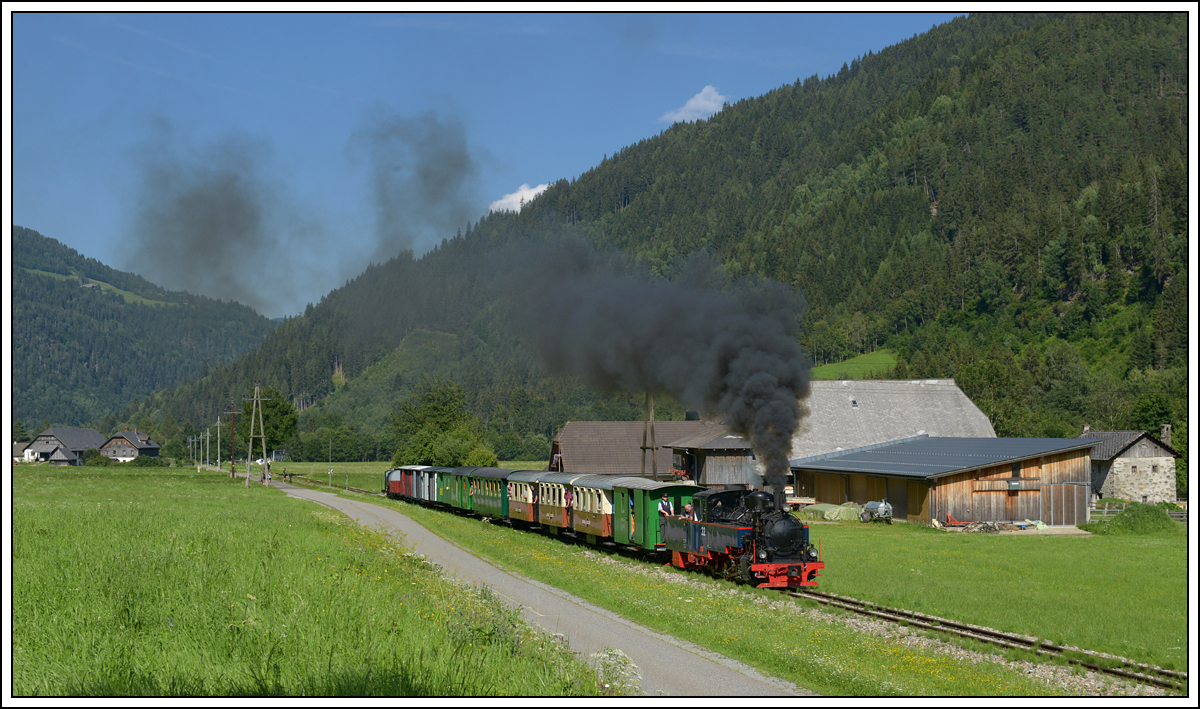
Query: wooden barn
point(959, 479)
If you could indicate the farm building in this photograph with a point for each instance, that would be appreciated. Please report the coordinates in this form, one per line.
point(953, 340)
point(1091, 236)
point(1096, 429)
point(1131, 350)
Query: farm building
point(127, 445)
point(959, 479)
point(1133, 465)
point(615, 447)
point(715, 457)
point(842, 415)
point(852, 414)
point(71, 441)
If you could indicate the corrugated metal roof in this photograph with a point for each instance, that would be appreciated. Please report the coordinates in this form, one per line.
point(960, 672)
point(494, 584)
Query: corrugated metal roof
point(852, 414)
point(1113, 443)
point(615, 447)
point(931, 457)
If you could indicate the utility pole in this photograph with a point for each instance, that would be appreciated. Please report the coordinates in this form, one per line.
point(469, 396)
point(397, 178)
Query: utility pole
point(648, 428)
point(218, 441)
point(256, 413)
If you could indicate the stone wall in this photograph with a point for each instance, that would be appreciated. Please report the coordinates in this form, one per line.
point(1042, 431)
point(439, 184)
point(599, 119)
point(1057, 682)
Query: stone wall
point(1134, 478)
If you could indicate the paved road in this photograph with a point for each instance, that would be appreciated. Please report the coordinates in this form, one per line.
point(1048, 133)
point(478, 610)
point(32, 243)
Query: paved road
point(668, 666)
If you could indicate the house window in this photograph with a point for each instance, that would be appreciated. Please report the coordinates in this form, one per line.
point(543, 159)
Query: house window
point(854, 403)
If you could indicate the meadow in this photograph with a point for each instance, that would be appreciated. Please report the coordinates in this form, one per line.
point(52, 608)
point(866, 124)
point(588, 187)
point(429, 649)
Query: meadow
point(859, 367)
point(1125, 595)
point(169, 582)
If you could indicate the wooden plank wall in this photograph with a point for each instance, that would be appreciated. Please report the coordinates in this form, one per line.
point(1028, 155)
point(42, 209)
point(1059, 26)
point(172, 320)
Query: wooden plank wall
point(723, 469)
point(984, 495)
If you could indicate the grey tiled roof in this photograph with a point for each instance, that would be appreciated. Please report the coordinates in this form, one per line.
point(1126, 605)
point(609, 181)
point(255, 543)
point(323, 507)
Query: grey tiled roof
point(615, 447)
point(138, 440)
point(76, 439)
point(713, 438)
point(1113, 443)
point(928, 457)
point(852, 414)
point(61, 453)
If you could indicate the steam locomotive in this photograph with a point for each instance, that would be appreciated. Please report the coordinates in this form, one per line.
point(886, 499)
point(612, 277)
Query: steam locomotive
point(737, 534)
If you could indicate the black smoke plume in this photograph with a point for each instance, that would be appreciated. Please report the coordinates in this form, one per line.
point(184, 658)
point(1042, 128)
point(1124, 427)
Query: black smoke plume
point(716, 345)
point(424, 179)
point(210, 221)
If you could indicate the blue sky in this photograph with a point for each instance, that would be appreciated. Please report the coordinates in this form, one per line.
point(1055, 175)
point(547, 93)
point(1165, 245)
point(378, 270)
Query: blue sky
point(269, 158)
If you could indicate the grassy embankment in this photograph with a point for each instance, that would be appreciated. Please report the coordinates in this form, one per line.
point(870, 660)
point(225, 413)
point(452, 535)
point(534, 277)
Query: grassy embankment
point(168, 582)
point(747, 626)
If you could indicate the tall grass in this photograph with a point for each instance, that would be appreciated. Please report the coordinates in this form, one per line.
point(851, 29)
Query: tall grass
point(131, 582)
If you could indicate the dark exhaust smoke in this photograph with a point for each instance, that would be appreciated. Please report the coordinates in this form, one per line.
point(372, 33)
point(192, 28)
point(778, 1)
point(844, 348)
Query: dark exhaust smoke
point(424, 179)
point(717, 346)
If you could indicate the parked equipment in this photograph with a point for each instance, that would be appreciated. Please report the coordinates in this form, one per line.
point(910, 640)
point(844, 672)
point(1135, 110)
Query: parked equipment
point(875, 511)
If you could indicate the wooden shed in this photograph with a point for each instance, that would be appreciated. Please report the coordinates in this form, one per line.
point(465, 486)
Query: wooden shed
point(716, 457)
point(959, 479)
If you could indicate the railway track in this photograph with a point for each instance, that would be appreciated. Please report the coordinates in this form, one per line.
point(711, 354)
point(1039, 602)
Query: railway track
point(1134, 671)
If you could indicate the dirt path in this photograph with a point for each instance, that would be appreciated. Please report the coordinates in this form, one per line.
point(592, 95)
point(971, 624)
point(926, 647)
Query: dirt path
point(668, 666)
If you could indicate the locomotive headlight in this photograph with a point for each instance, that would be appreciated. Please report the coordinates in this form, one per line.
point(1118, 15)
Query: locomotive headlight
point(762, 553)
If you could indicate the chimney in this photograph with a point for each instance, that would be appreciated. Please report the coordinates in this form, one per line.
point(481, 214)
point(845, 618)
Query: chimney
point(1087, 427)
point(1165, 437)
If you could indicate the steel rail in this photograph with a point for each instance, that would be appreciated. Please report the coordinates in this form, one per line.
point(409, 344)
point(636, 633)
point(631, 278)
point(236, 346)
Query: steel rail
point(1166, 679)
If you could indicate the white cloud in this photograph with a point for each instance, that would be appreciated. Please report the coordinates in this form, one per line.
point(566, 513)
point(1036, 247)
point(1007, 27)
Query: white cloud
point(513, 202)
point(702, 105)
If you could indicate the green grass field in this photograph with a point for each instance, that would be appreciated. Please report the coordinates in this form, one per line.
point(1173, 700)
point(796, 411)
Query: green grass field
point(169, 582)
point(1074, 590)
point(857, 368)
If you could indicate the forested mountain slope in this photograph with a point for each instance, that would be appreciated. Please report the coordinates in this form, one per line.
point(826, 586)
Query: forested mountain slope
point(1001, 200)
point(80, 354)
